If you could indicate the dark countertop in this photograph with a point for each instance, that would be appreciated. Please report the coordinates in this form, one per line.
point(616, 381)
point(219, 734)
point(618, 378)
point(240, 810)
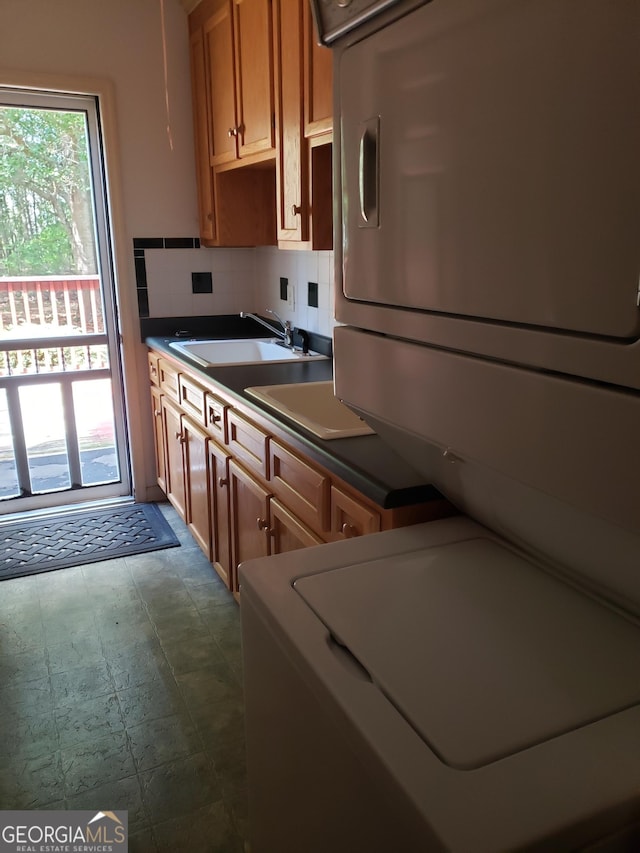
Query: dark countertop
point(364, 462)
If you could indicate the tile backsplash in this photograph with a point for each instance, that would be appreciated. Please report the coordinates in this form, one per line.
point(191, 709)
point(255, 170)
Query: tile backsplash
point(241, 280)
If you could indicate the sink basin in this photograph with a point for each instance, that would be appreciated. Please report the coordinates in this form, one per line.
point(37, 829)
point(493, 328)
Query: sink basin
point(242, 351)
point(314, 406)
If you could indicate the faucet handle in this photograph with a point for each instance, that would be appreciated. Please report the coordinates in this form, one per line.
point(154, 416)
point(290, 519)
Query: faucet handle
point(286, 325)
point(278, 317)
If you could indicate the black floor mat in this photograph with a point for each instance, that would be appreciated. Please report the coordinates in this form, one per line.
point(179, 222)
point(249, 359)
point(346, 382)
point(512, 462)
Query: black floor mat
point(71, 539)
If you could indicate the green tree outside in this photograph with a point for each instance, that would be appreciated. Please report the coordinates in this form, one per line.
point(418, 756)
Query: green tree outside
point(46, 217)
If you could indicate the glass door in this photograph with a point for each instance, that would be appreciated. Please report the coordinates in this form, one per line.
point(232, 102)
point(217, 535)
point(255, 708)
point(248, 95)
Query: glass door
point(63, 437)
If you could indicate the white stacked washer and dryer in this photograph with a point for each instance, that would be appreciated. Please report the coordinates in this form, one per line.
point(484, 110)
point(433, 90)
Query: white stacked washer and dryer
point(472, 684)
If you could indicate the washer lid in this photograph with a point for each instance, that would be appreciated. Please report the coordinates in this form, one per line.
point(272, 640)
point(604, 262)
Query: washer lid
point(481, 651)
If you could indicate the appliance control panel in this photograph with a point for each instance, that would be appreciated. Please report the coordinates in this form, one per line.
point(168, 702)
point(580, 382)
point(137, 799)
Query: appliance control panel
point(336, 18)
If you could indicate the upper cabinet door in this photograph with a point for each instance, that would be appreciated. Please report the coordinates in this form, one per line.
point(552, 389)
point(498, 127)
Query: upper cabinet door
point(292, 162)
point(253, 28)
point(218, 38)
point(318, 88)
point(201, 138)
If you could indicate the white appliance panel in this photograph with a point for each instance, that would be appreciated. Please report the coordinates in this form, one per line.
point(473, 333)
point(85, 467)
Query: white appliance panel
point(334, 766)
point(473, 625)
point(490, 163)
point(564, 438)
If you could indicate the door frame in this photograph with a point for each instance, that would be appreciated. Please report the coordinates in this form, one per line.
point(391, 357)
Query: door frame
point(132, 352)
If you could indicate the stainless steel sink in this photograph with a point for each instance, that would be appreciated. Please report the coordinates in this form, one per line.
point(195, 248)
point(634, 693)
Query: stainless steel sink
point(242, 351)
point(312, 405)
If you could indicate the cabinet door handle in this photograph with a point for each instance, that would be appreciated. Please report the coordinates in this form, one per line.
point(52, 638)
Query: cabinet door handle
point(157, 413)
point(348, 530)
point(233, 131)
point(296, 210)
point(222, 482)
point(214, 417)
point(263, 524)
point(180, 437)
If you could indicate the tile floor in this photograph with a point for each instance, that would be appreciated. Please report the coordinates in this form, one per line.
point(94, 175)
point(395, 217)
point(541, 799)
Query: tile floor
point(121, 688)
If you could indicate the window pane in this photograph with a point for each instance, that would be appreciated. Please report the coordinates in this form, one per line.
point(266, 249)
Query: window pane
point(8, 473)
point(44, 432)
point(93, 404)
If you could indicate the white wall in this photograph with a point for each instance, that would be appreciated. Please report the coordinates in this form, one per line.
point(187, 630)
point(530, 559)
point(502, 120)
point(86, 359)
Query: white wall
point(121, 40)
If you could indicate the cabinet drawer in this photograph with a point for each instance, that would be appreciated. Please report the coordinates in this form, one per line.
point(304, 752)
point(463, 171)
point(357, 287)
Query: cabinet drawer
point(215, 417)
point(302, 488)
point(350, 518)
point(168, 377)
point(192, 398)
point(248, 442)
point(154, 375)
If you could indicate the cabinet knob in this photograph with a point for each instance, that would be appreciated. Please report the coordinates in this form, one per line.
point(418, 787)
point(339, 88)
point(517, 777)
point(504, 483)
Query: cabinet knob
point(233, 131)
point(214, 417)
point(296, 209)
point(180, 437)
point(263, 524)
point(348, 530)
point(157, 412)
point(222, 482)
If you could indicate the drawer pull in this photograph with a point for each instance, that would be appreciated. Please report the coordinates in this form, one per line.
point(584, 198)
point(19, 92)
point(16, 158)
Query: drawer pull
point(348, 530)
point(214, 417)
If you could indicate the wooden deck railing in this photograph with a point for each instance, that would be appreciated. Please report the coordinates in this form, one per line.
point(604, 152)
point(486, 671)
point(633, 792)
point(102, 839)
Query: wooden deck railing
point(56, 322)
point(64, 304)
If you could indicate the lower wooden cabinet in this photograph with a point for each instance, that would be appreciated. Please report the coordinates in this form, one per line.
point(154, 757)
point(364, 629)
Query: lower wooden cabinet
point(158, 437)
point(286, 532)
point(219, 461)
point(243, 492)
point(249, 517)
point(350, 517)
point(174, 472)
point(196, 481)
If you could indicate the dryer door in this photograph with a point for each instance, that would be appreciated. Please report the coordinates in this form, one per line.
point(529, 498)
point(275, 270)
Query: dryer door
point(489, 163)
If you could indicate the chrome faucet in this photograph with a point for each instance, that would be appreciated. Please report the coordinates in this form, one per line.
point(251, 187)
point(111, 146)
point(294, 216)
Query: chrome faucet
point(286, 333)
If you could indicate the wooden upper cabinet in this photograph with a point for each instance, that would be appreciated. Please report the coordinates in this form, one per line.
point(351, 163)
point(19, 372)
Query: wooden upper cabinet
point(238, 47)
point(292, 164)
point(221, 78)
point(318, 87)
point(204, 175)
point(253, 39)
